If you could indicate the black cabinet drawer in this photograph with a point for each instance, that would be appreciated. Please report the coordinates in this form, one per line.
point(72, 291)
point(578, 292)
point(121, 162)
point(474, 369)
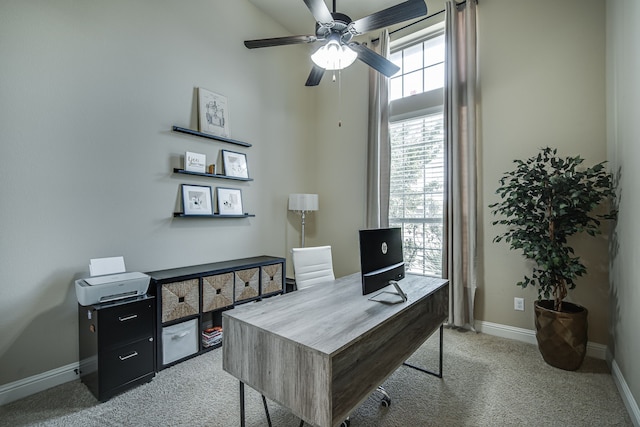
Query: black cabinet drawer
point(126, 322)
point(127, 363)
point(117, 345)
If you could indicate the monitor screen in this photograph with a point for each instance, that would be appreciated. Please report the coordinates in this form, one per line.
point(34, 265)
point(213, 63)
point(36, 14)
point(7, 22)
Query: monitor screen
point(381, 258)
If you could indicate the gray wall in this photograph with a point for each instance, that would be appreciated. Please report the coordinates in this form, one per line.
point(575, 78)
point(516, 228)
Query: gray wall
point(623, 111)
point(88, 94)
point(542, 73)
point(542, 82)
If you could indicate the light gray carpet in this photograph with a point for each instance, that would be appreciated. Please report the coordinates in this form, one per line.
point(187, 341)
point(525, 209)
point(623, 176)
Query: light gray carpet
point(488, 381)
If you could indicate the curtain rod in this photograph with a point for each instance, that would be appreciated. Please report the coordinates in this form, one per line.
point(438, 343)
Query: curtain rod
point(420, 20)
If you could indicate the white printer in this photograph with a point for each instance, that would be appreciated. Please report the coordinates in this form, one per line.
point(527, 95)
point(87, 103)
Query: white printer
point(111, 287)
point(101, 287)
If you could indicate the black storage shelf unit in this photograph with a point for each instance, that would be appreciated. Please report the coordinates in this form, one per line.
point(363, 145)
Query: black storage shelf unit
point(202, 293)
point(208, 136)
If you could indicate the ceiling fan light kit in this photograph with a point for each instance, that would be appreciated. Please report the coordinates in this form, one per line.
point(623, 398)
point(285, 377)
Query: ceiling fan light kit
point(334, 56)
point(336, 31)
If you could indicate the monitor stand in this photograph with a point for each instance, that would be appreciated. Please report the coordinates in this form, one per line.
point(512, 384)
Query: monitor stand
point(399, 292)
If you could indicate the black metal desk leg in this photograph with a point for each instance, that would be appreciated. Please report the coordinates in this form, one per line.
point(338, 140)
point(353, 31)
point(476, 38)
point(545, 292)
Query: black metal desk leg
point(439, 374)
point(441, 336)
point(266, 410)
point(242, 421)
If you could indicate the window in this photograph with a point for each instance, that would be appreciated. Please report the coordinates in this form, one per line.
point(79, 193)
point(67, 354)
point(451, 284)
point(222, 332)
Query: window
point(421, 68)
point(416, 202)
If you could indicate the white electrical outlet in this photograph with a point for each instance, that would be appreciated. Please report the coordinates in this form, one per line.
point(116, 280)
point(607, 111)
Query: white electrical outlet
point(518, 304)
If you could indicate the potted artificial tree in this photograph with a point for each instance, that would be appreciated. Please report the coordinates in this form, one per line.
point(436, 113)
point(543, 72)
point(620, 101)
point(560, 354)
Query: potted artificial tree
point(544, 201)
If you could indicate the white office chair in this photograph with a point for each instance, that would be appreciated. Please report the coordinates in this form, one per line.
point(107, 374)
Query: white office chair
point(312, 266)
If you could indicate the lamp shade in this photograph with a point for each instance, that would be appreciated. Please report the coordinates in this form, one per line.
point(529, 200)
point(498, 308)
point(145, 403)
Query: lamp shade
point(303, 202)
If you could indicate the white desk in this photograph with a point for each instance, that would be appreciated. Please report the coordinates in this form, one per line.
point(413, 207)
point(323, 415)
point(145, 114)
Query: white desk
point(321, 351)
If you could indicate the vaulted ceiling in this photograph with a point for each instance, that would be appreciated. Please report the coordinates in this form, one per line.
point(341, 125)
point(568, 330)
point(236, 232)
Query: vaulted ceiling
point(297, 19)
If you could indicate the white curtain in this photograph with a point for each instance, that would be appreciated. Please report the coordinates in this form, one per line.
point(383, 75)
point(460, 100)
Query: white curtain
point(379, 145)
point(460, 140)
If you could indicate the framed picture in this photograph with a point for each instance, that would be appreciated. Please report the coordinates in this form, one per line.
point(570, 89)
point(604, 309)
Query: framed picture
point(235, 164)
point(229, 201)
point(196, 200)
point(195, 162)
point(213, 113)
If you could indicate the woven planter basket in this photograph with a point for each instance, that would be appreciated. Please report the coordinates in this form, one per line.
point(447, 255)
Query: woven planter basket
point(562, 336)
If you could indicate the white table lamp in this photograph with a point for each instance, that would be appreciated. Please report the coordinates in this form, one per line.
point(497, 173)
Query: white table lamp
point(303, 203)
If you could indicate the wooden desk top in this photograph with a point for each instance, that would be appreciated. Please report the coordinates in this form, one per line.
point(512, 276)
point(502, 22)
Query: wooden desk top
point(329, 316)
point(321, 351)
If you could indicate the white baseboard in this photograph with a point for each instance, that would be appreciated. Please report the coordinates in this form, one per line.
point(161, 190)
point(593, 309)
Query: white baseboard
point(37, 383)
point(595, 350)
point(625, 393)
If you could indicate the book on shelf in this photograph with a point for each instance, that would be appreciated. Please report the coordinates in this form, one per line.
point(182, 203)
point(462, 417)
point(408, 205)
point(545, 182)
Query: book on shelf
point(212, 336)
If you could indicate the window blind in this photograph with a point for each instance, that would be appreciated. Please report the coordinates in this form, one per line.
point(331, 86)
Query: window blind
point(417, 190)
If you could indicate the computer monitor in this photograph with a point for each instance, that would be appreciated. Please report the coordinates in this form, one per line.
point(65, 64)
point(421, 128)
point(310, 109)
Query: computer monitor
point(381, 259)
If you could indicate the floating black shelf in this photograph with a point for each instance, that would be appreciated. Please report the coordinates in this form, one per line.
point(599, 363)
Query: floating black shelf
point(182, 215)
point(208, 136)
point(211, 175)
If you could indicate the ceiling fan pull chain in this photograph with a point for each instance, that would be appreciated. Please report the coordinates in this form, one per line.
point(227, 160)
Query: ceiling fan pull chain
point(339, 97)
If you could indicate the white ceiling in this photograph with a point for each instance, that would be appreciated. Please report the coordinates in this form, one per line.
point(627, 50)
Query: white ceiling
point(297, 19)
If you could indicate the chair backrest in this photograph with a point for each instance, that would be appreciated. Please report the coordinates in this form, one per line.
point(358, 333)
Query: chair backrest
point(312, 265)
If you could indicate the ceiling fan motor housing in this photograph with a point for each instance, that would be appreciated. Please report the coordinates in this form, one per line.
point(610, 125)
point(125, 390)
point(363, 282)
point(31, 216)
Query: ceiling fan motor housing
point(339, 26)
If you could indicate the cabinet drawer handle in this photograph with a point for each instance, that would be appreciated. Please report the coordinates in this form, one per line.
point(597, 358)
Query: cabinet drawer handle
point(123, 319)
point(128, 356)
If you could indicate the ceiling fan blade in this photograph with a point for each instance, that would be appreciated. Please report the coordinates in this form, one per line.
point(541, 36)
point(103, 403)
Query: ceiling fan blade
point(372, 59)
point(315, 76)
point(401, 12)
point(279, 41)
point(320, 11)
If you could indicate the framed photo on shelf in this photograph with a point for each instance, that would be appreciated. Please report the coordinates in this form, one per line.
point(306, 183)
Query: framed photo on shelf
point(195, 162)
point(196, 200)
point(229, 201)
point(213, 113)
point(234, 164)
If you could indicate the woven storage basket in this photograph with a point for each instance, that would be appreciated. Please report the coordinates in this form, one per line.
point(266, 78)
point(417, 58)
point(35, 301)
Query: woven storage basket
point(271, 278)
point(247, 283)
point(180, 299)
point(217, 291)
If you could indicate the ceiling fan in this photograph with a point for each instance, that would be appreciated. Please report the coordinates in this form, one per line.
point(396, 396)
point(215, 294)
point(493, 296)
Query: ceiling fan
point(336, 31)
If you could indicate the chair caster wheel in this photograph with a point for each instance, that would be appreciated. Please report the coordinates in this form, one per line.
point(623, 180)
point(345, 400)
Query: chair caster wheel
point(385, 399)
point(346, 423)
